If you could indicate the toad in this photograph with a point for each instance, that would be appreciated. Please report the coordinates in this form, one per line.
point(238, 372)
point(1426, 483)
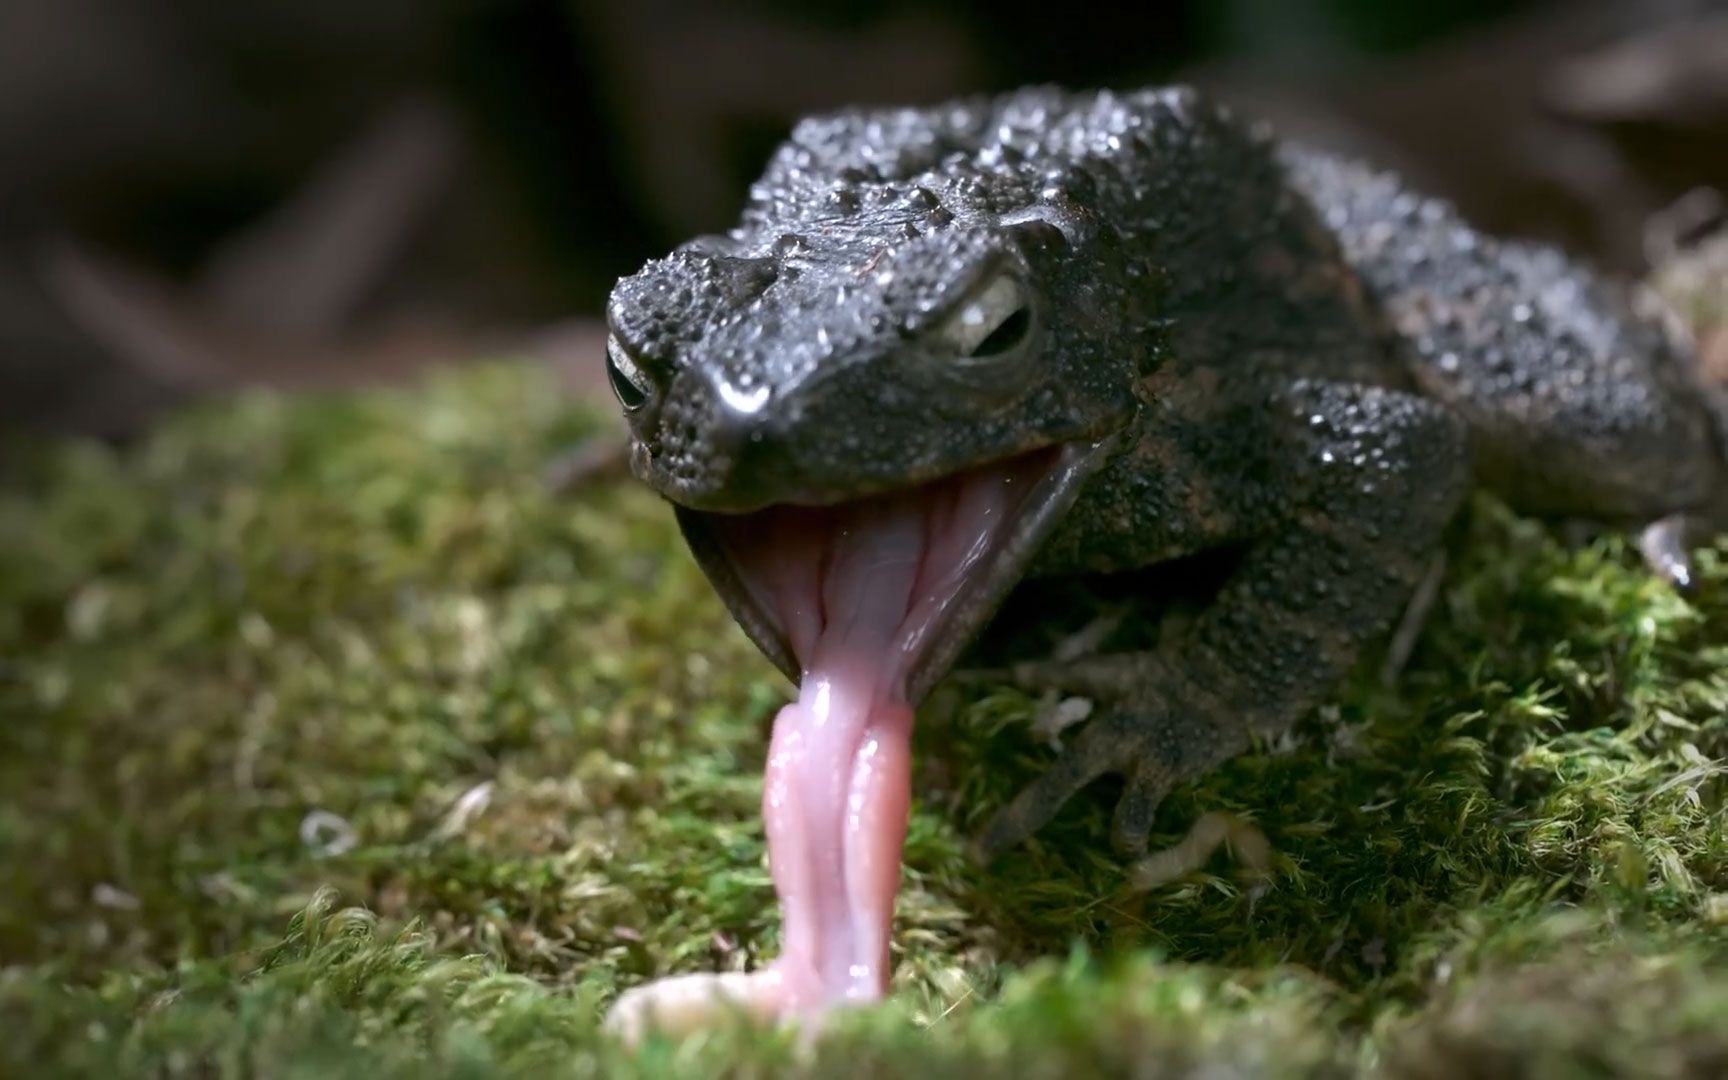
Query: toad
point(950, 350)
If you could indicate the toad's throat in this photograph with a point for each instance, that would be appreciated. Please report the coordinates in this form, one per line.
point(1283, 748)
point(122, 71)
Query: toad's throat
point(868, 597)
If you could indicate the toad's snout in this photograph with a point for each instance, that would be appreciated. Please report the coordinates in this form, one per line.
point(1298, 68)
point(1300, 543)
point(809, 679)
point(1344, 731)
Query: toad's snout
point(706, 446)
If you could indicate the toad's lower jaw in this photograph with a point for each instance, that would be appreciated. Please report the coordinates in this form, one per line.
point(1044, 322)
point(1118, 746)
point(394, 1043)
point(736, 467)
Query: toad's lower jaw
point(857, 589)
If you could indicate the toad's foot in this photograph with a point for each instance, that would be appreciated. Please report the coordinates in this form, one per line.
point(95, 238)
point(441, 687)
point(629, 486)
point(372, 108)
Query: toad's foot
point(1283, 630)
point(1153, 728)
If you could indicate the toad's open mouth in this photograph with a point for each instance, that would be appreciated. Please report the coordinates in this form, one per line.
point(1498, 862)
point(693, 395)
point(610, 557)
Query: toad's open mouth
point(866, 603)
point(919, 570)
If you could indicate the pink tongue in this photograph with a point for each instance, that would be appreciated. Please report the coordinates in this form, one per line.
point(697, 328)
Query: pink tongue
point(857, 588)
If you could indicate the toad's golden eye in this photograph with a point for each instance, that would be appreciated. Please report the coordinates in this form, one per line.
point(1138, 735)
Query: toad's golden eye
point(993, 320)
point(629, 382)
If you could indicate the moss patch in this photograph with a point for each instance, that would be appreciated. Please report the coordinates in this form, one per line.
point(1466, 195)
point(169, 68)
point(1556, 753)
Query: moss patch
point(335, 744)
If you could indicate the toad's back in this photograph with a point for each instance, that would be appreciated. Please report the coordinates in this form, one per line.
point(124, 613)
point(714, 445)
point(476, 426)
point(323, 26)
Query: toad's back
point(1580, 398)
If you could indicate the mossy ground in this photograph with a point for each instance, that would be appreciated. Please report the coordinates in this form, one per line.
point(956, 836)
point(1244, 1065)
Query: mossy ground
point(335, 744)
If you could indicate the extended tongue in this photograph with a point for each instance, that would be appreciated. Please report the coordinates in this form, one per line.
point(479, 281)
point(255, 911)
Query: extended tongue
point(837, 792)
point(861, 599)
point(835, 804)
point(838, 784)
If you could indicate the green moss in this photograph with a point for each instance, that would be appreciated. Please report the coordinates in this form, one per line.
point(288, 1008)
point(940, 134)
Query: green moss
point(294, 659)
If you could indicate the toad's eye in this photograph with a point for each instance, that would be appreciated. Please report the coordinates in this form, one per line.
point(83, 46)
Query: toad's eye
point(993, 320)
point(629, 382)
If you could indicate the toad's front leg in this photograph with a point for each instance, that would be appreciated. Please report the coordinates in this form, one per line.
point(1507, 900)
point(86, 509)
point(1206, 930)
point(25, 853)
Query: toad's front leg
point(1388, 471)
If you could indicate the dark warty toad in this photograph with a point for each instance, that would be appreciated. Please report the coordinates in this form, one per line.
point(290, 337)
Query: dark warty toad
point(947, 351)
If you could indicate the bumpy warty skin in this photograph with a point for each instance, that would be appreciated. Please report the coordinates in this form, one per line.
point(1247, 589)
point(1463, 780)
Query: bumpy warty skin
point(865, 228)
point(1281, 351)
point(1582, 399)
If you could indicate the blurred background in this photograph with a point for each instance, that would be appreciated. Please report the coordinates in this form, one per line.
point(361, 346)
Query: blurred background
point(202, 195)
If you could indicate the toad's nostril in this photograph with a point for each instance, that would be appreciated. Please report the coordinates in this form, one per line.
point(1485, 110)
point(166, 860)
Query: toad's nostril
point(744, 279)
